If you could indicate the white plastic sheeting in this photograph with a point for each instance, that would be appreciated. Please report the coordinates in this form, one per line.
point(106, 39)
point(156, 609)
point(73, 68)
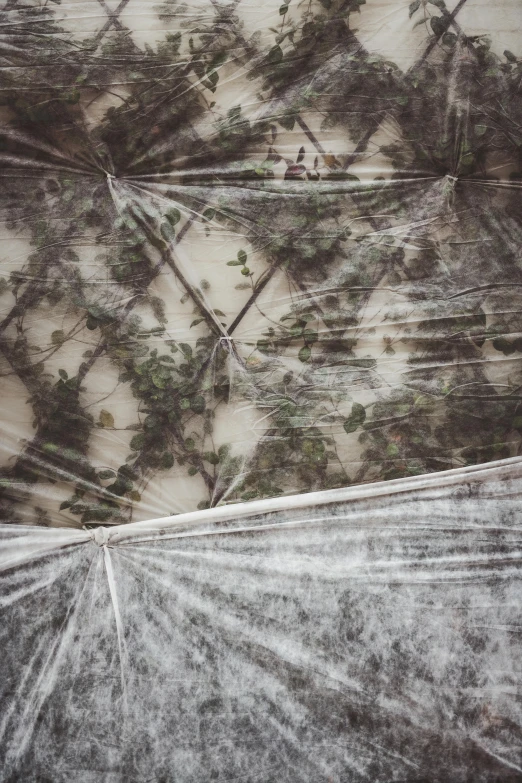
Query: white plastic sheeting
point(249, 251)
point(367, 634)
point(254, 249)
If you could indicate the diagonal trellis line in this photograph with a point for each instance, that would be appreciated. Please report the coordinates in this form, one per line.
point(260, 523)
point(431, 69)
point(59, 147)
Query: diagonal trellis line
point(113, 15)
point(112, 21)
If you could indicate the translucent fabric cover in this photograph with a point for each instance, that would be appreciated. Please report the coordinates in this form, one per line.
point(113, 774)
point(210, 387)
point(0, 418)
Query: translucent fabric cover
point(353, 635)
point(260, 360)
point(252, 249)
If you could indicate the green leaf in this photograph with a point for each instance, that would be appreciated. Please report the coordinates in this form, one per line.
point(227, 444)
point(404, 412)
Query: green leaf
point(449, 39)
point(503, 345)
point(197, 404)
point(106, 474)
point(158, 379)
point(208, 214)
point(63, 375)
point(57, 337)
point(242, 257)
point(287, 121)
point(356, 418)
point(245, 271)
point(106, 419)
point(196, 322)
point(212, 457)
point(167, 232)
point(437, 25)
point(480, 130)
point(73, 96)
point(224, 451)
point(414, 7)
point(275, 55)
point(173, 216)
point(305, 353)
point(219, 59)
point(135, 495)
point(510, 57)
point(166, 461)
point(283, 10)
point(263, 346)
point(235, 262)
point(137, 442)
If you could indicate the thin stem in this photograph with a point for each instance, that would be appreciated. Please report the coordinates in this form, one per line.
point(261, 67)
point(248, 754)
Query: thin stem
point(265, 279)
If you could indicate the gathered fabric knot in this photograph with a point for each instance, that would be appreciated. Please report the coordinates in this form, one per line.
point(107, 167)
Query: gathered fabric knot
point(226, 343)
point(100, 535)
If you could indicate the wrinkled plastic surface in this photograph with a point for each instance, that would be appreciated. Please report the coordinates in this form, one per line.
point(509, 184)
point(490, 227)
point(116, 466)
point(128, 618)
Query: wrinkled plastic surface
point(368, 634)
point(260, 260)
point(253, 249)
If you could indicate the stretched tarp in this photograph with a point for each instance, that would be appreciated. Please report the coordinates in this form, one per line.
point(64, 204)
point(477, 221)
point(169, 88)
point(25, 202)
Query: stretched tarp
point(353, 635)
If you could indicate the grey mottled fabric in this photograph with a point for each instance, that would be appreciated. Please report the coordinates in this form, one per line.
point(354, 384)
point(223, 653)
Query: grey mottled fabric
point(356, 635)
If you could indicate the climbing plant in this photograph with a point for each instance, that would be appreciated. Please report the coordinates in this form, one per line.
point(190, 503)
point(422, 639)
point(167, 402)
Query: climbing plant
point(378, 332)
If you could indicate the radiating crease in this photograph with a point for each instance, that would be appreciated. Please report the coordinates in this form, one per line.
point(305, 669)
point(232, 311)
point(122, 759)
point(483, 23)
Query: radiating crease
point(119, 624)
point(58, 648)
